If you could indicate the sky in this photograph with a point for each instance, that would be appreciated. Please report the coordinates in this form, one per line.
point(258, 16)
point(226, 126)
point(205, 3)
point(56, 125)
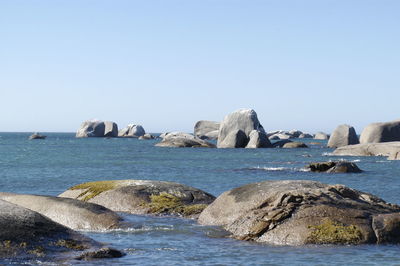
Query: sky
point(309, 65)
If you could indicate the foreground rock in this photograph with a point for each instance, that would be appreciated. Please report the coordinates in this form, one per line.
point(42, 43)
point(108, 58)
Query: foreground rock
point(143, 197)
point(27, 235)
point(343, 135)
point(390, 149)
point(182, 142)
point(96, 128)
point(381, 132)
point(236, 127)
point(334, 167)
point(132, 131)
point(206, 129)
point(321, 136)
point(71, 213)
point(298, 212)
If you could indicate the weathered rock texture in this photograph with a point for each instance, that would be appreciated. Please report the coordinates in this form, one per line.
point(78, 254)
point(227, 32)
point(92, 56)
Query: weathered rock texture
point(97, 129)
point(258, 139)
point(381, 132)
point(297, 212)
point(132, 131)
point(390, 149)
point(26, 235)
point(206, 129)
point(334, 167)
point(236, 127)
point(343, 135)
point(182, 142)
point(142, 196)
point(71, 213)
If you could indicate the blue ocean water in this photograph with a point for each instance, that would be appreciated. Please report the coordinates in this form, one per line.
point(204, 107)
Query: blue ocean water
point(51, 166)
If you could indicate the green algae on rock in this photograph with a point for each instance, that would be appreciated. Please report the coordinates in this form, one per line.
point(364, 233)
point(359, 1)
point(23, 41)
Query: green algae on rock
point(331, 232)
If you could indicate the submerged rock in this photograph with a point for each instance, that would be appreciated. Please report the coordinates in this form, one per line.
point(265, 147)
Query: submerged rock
point(298, 212)
point(143, 196)
point(28, 235)
point(381, 132)
point(334, 167)
point(37, 136)
point(343, 135)
point(290, 145)
point(95, 128)
point(182, 142)
point(206, 129)
point(132, 131)
point(370, 149)
point(71, 213)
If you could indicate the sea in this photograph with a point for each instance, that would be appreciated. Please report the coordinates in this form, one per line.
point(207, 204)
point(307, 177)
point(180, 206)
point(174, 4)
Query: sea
point(51, 166)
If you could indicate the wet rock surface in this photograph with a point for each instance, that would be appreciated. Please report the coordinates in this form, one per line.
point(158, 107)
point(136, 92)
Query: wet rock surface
point(334, 167)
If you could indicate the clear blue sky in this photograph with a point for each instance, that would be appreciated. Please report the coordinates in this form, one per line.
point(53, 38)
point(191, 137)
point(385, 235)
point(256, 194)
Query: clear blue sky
point(309, 65)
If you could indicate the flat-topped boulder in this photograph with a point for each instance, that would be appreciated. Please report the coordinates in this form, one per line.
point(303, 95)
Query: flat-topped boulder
point(27, 235)
point(97, 128)
point(175, 134)
point(204, 129)
point(72, 213)
point(343, 135)
point(298, 212)
point(132, 131)
point(294, 144)
point(143, 197)
point(370, 149)
point(182, 142)
point(236, 127)
point(321, 136)
point(381, 132)
point(334, 167)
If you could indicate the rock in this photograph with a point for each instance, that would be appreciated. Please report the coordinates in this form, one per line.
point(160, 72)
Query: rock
point(321, 135)
point(147, 136)
point(37, 136)
point(258, 140)
point(381, 132)
point(281, 136)
point(370, 149)
point(289, 145)
point(176, 134)
point(387, 228)
point(298, 212)
point(143, 196)
point(103, 253)
point(27, 235)
point(305, 136)
point(181, 142)
point(206, 129)
point(334, 167)
point(394, 155)
point(71, 213)
point(97, 128)
point(295, 133)
point(343, 135)
point(281, 143)
point(236, 127)
point(132, 131)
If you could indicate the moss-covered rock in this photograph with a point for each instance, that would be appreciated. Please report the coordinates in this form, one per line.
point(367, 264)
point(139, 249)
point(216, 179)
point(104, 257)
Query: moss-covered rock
point(330, 232)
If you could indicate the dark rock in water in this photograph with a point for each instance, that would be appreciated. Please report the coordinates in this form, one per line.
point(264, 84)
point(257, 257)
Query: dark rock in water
point(143, 197)
point(381, 132)
point(28, 235)
point(294, 144)
point(298, 212)
point(182, 142)
point(97, 129)
point(390, 149)
point(281, 143)
point(103, 253)
point(343, 135)
point(37, 136)
point(71, 213)
point(206, 129)
point(334, 167)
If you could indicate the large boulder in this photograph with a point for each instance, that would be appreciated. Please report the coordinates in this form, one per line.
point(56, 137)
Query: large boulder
point(27, 235)
point(71, 213)
point(96, 128)
point(206, 129)
point(236, 127)
point(132, 131)
point(370, 149)
point(142, 196)
point(343, 135)
point(321, 136)
point(297, 212)
point(182, 142)
point(258, 139)
point(381, 132)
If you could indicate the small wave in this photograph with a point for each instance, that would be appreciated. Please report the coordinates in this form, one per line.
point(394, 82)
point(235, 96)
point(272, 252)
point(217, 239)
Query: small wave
point(274, 169)
point(133, 230)
point(328, 154)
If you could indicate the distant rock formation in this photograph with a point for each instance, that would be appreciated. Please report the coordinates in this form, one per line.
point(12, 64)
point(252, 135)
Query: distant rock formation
point(390, 149)
point(321, 136)
point(381, 132)
point(343, 135)
point(96, 128)
point(206, 129)
point(132, 131)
